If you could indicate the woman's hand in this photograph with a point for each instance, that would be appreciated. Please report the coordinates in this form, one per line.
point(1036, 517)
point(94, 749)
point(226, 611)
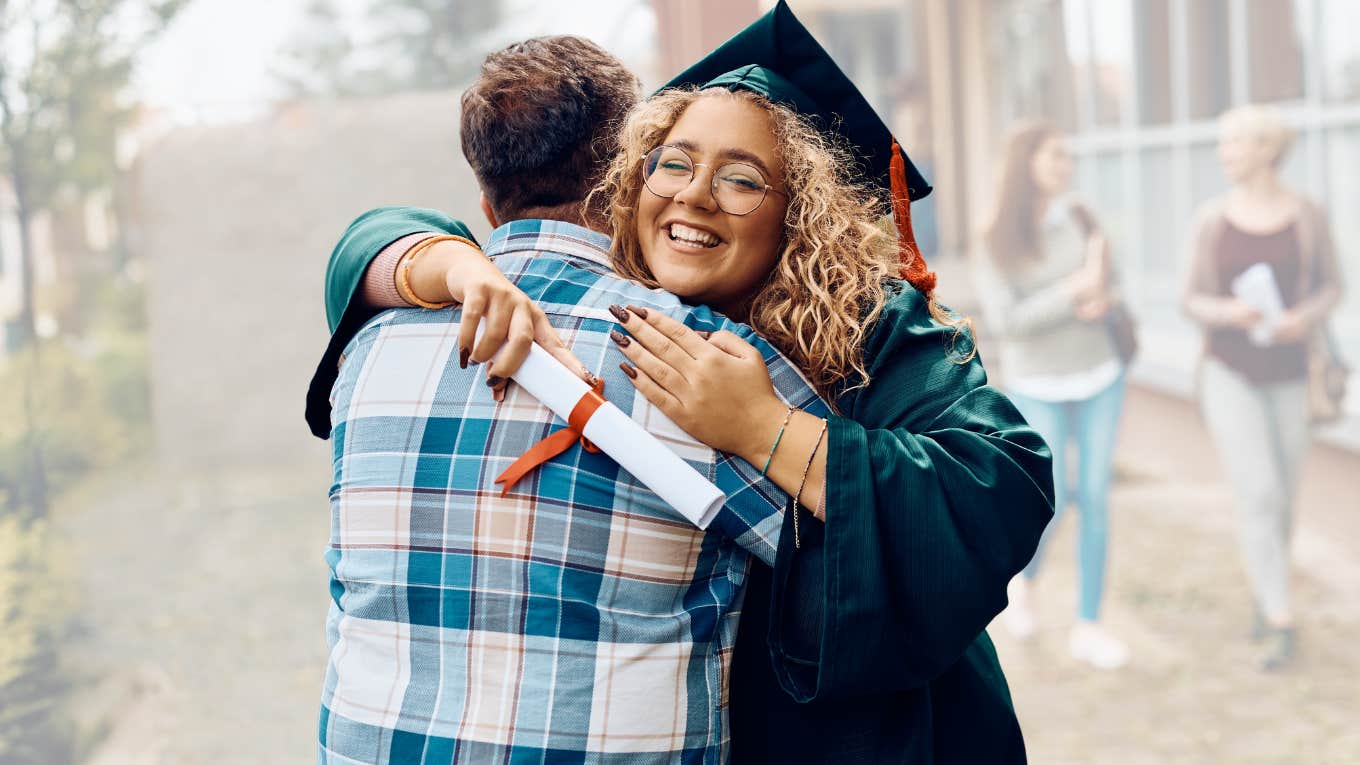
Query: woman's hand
point(717, 388)
point(459, 272)
point(1240, 314)
point(1289, 328)
point(1093, 308)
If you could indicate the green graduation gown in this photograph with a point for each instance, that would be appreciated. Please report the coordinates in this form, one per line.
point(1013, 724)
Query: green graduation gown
point(865, 645)
point(937, 492)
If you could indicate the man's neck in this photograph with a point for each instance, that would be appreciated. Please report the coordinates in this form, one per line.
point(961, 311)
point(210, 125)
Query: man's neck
point(567, 213)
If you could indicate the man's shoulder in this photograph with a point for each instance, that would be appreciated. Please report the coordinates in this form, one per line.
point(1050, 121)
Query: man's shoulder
point(393, 320)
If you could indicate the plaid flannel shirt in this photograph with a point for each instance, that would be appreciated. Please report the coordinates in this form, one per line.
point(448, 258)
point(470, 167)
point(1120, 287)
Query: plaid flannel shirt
point(578, 619)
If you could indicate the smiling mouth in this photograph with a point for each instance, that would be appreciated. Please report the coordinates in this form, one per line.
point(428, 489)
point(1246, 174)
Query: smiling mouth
point(692, 238)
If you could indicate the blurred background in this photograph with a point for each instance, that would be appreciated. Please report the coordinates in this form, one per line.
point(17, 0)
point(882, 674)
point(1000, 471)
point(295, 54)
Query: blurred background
point(175, 173)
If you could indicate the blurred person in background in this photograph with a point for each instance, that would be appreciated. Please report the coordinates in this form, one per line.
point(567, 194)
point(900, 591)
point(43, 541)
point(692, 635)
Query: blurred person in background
point(1253, 381)
point(1048, 290)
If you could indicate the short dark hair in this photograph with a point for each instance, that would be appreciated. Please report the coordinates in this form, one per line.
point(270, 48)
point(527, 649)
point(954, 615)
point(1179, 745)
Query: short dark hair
point(540, 125)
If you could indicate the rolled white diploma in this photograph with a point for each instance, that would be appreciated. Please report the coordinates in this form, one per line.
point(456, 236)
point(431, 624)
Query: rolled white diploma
point(628, 443)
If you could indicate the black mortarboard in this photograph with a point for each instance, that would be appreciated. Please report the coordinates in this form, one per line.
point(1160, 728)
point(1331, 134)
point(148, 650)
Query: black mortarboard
point(778, 58)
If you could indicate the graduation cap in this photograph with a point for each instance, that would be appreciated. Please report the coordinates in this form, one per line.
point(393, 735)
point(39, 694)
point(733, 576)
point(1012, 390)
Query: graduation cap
point(778, 58)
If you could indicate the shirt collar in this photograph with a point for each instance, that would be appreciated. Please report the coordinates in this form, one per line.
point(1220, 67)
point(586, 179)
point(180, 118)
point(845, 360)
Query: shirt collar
point(536, 235)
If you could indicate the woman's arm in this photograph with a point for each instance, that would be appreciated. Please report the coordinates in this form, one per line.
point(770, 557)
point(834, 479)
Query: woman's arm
point(717, 389)
point(1329, 284)
point(364, 241)
point(1201, 300)
point(1014, 315)
point(937, 493)
point(444, 272)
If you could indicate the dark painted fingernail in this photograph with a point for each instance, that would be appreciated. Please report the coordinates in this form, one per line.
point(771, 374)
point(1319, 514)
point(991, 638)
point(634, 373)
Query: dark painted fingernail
point(705, 334)
point(493, 381)
point(629, 370)
point(641, 312)
point(463, 354)
point(619, 338)
point(619, 313)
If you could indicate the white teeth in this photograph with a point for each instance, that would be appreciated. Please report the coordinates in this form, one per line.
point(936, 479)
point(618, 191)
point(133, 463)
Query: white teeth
point(684, 233)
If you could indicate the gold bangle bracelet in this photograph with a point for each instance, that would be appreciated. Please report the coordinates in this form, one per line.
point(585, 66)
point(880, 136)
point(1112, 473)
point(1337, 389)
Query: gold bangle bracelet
point(404, 269)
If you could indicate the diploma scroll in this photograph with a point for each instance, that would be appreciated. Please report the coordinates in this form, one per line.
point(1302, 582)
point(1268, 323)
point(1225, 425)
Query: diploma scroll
point(628, 443)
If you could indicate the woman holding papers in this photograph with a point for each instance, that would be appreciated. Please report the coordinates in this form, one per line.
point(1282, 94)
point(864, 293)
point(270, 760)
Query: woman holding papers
point(1262, 279)
point(1050, 291)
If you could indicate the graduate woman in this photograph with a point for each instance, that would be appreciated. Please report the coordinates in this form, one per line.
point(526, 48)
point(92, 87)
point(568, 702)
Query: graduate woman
point(733, 188)
point(738, 189)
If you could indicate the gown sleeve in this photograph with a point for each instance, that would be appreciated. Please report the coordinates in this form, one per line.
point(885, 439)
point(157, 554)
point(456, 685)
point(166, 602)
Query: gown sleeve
point(937, 493)
point(361, 243)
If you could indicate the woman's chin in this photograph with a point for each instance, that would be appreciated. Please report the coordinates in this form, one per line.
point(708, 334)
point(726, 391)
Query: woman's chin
point(684, 283)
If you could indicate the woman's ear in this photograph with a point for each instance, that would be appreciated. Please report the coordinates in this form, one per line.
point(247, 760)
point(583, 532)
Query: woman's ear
point(488, 212)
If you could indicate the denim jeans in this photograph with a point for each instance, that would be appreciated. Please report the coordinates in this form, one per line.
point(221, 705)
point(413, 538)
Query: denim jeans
point(1092, 425)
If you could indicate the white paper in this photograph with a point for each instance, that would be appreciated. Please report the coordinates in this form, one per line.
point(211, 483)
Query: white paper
point(628, 443)
point(1257, 287)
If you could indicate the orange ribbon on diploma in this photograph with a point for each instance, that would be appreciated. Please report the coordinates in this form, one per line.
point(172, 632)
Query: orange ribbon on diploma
point(558, 442)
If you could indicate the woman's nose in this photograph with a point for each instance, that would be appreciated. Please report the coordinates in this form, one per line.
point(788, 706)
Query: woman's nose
point(699, 192)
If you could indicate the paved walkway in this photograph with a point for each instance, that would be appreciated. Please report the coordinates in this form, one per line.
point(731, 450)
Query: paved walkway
point(1177, 594)
point(202, 630)
point(203, 606)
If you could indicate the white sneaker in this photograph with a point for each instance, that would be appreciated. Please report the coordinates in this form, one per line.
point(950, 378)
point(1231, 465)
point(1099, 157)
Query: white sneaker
point(1019, 615)
point(1089, 642)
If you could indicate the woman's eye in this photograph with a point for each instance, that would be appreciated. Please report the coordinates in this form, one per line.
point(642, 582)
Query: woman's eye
point(742, 183)
point(675, 166)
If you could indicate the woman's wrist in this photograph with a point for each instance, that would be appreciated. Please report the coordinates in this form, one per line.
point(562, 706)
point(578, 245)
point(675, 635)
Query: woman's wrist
point(768, 420)
point(428, 274)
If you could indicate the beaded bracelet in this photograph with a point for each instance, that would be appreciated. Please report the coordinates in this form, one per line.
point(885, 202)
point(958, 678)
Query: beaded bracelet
point(770, 458)
point(404, 269)
point(797, 538)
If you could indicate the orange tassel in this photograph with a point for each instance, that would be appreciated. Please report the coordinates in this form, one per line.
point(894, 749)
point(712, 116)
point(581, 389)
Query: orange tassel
point(913, 267)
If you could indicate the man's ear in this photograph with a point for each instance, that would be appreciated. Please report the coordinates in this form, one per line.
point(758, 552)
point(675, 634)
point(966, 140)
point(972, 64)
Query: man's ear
point(488, 212)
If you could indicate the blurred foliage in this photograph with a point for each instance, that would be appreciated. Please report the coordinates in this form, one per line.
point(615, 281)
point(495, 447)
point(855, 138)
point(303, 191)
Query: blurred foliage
point(64, 68)
point(84, 405)
point(76, 405)
point(410, 45)
point(33, 614)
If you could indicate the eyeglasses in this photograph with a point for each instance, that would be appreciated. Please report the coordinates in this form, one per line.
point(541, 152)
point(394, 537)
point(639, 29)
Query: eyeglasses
point(737, 187)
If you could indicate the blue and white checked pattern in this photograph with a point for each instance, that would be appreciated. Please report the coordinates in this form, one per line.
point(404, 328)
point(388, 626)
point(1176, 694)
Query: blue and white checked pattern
point(578, 619)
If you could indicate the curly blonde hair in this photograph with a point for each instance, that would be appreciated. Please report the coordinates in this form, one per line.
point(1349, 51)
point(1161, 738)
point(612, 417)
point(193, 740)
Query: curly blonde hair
point(828, 286)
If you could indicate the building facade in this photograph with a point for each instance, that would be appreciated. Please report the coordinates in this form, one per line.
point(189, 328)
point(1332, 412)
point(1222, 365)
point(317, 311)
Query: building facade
point(1138, 85)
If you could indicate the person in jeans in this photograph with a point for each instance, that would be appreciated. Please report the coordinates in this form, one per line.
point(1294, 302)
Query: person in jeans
point(1047, 287)
point(1253, 390)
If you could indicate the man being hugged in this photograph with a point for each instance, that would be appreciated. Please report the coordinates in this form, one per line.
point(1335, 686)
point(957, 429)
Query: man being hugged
point(576, 616)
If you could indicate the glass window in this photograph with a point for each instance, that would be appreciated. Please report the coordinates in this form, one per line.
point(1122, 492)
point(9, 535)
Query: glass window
point(1343, 151)
point(868, 45)
point(1161, 228)
point(1294, 171)
point(1152, 36)
point(1210, 65)
point(1274, 50)
point(1206, 174)
point(1106, 197)
point(1112, 61)
point(1340, 54)
point(1031, 63)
